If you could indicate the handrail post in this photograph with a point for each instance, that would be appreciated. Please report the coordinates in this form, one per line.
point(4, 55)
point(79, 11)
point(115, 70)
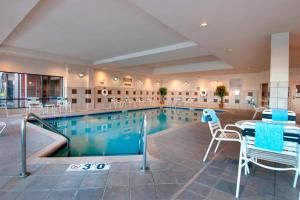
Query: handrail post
point(24, 172)
point(144, 164)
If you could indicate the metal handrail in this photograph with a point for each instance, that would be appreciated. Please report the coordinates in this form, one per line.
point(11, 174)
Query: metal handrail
point(145, 138)
point(24, 172)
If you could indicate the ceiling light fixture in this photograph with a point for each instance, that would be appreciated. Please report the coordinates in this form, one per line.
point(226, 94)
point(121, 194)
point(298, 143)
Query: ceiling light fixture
point(204, 24)
point(81, 75)
point(115, 78)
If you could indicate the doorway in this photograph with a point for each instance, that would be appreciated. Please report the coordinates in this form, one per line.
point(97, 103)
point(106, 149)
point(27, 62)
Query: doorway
point(264, 94)
point(295, 97)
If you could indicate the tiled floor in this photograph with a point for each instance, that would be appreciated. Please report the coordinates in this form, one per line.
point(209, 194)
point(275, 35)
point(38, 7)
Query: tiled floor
point(178, 172)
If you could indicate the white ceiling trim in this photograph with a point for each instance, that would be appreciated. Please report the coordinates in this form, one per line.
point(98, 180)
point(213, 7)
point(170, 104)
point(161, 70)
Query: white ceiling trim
point(163, 49)
point(8, 50)
point(195, 67)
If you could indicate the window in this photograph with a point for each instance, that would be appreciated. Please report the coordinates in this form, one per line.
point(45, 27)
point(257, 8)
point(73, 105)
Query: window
point(127, 92)
point(99, 100)
point(74, 101)
point(15, 88)
point(119, 92)
point(99, 91)
point(74, 91)
point(88, 100)
point(88, 91)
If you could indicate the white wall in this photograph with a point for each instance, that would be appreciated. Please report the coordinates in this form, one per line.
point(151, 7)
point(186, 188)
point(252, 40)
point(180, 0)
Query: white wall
point(250, 83)
point(33, 66)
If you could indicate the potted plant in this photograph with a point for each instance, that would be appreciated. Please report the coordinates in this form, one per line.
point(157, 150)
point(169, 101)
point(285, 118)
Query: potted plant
point(221, 91)
point(163, 92)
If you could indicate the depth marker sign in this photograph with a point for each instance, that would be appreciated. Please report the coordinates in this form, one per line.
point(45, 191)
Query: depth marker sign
point(88, 167)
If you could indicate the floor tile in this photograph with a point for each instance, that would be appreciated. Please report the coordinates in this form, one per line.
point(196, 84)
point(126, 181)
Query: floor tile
point(116, 193)
point(143, 192)
point(62, 195)
point(89, 194)
point(94, 181)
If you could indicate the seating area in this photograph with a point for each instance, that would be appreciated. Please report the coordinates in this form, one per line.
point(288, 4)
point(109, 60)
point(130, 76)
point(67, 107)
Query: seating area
point(274, 138)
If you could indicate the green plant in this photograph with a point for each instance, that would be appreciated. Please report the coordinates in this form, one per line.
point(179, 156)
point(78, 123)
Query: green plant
point(221, 91)
point(163, 91)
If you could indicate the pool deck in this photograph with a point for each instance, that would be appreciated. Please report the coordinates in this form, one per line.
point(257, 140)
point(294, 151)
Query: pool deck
point(176, 170)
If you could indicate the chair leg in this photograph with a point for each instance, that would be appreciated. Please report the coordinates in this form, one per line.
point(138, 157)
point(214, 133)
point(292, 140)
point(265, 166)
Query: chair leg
point(254, 116)
point(209, 147)
point(217, 146)
point(239, 174)
point(296, 178)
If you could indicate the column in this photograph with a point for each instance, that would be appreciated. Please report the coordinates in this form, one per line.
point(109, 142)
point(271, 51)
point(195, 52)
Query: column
point(279, 71)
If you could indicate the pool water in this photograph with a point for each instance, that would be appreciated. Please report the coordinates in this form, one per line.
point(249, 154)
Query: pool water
point(117, 133)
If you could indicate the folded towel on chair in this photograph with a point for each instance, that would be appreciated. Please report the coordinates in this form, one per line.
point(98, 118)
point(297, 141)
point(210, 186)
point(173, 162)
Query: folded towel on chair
point(280, 115)
point(210, 117)
point(269, 136)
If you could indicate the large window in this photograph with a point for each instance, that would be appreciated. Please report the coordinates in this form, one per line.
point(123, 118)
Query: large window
point(15, 88)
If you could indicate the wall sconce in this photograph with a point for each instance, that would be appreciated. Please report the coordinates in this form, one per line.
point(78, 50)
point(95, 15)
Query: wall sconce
point(81, 75)
point(115, 78)
point(102, 82)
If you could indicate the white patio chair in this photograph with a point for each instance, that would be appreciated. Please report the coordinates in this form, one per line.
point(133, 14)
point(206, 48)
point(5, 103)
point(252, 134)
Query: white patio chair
point(3, 107)
point(218, 133)
point(33, 104)
point(257, 109)
point(2, 127)
point(288, 156)
point(267, 116)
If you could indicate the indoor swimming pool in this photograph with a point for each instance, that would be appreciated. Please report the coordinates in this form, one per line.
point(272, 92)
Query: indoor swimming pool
point(117, 133)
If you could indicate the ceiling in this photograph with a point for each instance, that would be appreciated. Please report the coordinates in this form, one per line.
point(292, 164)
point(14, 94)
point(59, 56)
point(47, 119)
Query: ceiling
point(144, 36)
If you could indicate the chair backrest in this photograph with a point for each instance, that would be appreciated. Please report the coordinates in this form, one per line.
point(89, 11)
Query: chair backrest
point(290, 150)
point(213, 126)
point(267, 116)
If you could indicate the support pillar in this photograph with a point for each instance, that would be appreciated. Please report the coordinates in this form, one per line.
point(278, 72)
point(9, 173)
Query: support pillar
point(279, 71)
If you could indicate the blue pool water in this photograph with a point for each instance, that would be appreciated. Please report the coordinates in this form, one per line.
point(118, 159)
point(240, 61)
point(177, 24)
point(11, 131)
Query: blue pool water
point(117, 133)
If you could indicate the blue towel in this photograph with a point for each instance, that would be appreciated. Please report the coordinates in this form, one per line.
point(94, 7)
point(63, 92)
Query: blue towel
point(269, 136)
point(212, 116)
point(280, 115)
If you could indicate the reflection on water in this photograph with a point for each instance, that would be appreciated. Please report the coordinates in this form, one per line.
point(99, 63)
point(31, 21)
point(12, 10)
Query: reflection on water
point(117, 133)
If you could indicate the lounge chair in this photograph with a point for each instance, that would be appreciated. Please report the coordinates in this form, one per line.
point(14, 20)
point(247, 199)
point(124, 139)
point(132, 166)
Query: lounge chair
point(289, 155)
point(267, 116)
point(2, 127)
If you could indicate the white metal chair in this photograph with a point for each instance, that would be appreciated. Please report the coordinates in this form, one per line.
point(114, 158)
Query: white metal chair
point(218, 133)
point(257, 109)
point(3, 107)
point(2, 127)
point(33, 104)
point(288, 156)
point(267, 116)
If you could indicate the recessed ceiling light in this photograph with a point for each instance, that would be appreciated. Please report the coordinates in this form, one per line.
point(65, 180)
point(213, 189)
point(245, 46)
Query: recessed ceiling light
point(115, 78)
point(229, 50)
point(81, 75)
point(204, 24)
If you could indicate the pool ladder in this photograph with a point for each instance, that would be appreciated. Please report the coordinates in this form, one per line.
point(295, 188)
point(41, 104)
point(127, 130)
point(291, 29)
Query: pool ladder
point(29, 116)
point(144, 138)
